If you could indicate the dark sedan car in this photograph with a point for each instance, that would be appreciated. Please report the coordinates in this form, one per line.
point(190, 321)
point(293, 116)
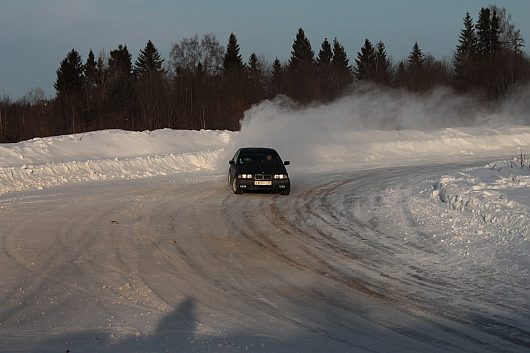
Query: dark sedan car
point(258, 168)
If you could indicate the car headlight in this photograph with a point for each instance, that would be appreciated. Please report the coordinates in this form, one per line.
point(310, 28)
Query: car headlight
point(245, 176)
point(280, 176)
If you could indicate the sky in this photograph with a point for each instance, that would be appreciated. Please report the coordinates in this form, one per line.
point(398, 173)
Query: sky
point(35, 35)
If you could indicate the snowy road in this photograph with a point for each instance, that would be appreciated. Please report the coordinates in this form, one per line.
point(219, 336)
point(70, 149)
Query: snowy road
point(348, 263)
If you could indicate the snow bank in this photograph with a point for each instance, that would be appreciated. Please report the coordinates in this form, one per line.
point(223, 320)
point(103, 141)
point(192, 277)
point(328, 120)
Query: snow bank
point(116, 154)
point(52, 174)
point(110, 144)
point(112, 154)
point(495, 194)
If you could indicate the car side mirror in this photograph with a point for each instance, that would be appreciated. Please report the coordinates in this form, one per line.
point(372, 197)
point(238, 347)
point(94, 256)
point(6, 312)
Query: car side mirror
point(231, 162)
point(287, 163)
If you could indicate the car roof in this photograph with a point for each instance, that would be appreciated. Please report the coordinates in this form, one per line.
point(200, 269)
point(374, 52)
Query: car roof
point(257, 149)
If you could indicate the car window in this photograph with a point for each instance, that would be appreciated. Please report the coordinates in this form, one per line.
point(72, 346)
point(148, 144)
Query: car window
point(259, 157)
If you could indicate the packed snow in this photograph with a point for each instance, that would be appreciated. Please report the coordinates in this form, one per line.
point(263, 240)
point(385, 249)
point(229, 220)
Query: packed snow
point(474, 212)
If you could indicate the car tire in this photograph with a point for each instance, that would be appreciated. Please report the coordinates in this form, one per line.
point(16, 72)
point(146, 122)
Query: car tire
point(235, 188)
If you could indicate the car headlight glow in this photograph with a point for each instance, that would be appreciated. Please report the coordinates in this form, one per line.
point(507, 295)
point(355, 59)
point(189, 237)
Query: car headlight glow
point(280, 176)
point(245, 176)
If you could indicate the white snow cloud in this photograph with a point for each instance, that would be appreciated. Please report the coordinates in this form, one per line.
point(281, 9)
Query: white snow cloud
point(382, 124)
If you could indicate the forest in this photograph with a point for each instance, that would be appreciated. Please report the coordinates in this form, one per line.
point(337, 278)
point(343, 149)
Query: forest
point(204, 85)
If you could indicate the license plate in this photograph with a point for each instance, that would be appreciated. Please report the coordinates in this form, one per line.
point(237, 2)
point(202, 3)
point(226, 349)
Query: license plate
point(263, 183)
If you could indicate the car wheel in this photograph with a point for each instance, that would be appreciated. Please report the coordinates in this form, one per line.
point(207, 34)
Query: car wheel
point(235, 188)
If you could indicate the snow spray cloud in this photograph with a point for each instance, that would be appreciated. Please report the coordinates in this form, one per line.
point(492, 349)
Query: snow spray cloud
point(375, 124)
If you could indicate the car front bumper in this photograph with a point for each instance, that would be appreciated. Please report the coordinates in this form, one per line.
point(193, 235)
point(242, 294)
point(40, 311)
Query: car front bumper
point(275, 184)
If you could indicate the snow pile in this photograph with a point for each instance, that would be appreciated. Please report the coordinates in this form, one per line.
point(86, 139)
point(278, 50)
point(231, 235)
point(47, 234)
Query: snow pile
point(116, 154)
point(112, 154)
point(495, 195)
point(110, 144)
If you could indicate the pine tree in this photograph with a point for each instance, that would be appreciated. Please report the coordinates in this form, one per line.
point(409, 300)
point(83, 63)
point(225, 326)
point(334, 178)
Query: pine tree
point(120, 63)
point(70, 75)
point(254, 66)
point(401, 79)
point(495, 43)
point(120, 89)
point(366, 63)
point(416, 57)
point(301, 70)
point(324, 71)
point(232, 63)
point(91, 76)
point(302, 56)
point(102, 69)
point(342, 72)
point(149, 62)
point(325, 55)
point(149, 86)
point(90, 71)
point(492, 75)
point(276, 67)
point(276, 83)
point(69, 86)
point(415, 68)
point(484, 32)
point(382, 64)
point(255, 79)
point(465, 56)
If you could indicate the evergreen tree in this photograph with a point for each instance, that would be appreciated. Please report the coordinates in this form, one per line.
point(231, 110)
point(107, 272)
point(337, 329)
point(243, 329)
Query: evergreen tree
point(382, 64)
point(235, 86)
point(493, 75)
point(325, 55)
point(366, 63)
point(149, 62)
point(276, 67)
point(301, 70)
point(342, 72)
point(254, 66)
point(232, 63)
point(120, 89)
point(91, 76)
point(416, 57)
point(401, 79)
point(465, 56)
point(149, 86)
point(302, 56)
point(276, 84)
point(120, 63)
point(324, 71)
point(495, 43)
point(91, 71)
point(69, 75)
point(69, 86)
point(415, 68)
point(102, 70)
point(484, 32)
point(255, 79)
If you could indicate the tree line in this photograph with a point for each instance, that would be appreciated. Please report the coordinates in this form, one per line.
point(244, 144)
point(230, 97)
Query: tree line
point(207, 86)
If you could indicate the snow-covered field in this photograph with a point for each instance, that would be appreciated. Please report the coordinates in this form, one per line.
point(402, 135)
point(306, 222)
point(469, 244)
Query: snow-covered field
point(473, 207)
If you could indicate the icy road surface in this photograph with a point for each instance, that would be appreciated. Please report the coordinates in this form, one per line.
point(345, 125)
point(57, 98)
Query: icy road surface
point(349, 262)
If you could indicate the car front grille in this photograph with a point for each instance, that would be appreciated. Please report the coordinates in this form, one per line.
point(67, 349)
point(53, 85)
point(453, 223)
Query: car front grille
point(263, 176)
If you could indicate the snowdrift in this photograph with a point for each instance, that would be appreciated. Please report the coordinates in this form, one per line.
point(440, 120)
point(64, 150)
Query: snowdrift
point(117, 154)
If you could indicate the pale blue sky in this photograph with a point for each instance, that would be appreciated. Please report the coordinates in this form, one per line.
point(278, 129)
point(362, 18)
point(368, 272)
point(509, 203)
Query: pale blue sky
point(35, 35)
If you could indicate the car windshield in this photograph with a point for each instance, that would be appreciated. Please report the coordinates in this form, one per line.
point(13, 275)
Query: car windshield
point(259, 157)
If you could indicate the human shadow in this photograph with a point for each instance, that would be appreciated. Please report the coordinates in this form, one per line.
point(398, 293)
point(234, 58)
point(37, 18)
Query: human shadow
point(336, 324)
